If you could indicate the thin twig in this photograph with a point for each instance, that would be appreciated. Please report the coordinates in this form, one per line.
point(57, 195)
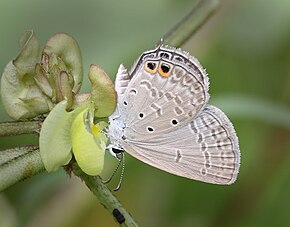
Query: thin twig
point(183, 30)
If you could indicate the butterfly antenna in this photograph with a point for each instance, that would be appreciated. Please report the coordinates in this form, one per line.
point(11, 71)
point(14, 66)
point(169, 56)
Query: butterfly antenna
point(113, 174)
point(122, 172)
point(160, 43)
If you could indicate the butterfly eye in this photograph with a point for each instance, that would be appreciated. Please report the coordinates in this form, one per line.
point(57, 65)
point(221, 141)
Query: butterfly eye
point(164, 70)
point(151, 67)
point(117, 150)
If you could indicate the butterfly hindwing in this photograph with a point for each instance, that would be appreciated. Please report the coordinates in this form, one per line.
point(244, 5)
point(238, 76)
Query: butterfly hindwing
point(206, 149)
point(121, 82)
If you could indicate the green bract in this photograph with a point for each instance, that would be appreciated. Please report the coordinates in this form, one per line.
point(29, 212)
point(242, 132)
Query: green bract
point(21, 96)
point(67, 49)
point(103, 93)
point(60, 72)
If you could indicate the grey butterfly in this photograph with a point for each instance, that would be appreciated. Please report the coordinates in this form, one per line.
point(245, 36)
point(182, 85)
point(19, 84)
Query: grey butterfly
point(163, 119)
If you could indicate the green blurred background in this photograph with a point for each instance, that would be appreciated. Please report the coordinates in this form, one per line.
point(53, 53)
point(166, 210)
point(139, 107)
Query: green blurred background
point(245, 48)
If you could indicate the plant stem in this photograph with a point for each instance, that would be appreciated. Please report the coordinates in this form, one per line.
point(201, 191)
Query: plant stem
point(183, 30)
point(19, 163)
point(12, 128)
point(105, 196)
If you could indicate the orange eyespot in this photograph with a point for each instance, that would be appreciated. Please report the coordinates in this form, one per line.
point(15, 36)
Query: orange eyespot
point(164, 70)
point(150, 67)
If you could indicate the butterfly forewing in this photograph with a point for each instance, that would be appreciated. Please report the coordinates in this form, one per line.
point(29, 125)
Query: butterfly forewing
point(172, 99)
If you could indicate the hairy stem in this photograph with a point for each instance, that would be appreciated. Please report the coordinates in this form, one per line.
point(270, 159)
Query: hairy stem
point(19, 163)
point(13, 128)
point(105, 196)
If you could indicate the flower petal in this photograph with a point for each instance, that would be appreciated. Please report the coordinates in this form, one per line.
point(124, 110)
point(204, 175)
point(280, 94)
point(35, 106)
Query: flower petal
point(88, 151)
point(55, 141)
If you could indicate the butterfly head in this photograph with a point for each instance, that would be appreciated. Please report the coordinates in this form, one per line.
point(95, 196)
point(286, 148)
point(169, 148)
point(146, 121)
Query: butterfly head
point(116, 134)
point(115, 150)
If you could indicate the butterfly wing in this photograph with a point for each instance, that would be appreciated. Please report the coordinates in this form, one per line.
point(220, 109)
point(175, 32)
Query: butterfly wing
point(206, 149)
point(121, 82)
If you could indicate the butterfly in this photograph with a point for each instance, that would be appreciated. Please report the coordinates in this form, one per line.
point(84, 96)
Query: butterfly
point(163, 118)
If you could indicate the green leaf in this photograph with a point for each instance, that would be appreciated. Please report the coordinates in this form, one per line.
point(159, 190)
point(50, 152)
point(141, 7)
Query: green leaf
point(103, 93)
point(89, 143)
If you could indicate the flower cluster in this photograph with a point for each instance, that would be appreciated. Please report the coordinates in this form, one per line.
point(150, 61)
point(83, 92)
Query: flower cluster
point(47, 82)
